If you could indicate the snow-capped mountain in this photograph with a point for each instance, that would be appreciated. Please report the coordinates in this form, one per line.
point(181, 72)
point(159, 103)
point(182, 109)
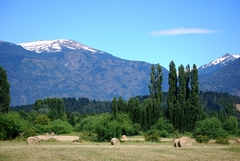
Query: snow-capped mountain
point(223, 60)
point(214, 65)
point(54, 46)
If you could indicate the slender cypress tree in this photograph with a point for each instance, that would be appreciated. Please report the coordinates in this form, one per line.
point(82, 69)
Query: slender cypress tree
point(4, 92)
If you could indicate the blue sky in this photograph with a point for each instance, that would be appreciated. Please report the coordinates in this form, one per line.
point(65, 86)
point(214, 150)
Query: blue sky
point(185, 31)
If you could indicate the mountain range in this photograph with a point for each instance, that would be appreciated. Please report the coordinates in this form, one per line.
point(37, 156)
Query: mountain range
point(66, 68)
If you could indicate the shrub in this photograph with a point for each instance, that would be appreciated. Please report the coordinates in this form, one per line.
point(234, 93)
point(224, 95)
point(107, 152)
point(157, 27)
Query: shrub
point(42, 119)
point(88, 136)
point(60, 127)
point(211, 127)
point(202, 139)
point(41, 128)
point(106, 127)
point(163, 127)
point(222, 140)
point(231, 125)
point(11, 125)
point(28, 133)
point(152, 137)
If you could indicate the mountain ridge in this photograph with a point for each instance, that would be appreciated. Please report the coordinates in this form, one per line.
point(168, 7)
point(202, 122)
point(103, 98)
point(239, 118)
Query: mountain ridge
point(80, 72)
point(72, 73)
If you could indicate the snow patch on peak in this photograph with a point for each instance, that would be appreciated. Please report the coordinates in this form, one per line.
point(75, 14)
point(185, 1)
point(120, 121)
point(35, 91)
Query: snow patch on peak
point(223, 60)
point(54, 45)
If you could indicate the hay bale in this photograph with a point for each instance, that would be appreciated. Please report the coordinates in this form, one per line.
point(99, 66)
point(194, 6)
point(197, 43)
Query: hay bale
point(237, 140)
point(47, 136)
point(175, 143)
point(115, 141)
point(124, 138)
point(52, 135)
point(32, 140)
point(184, 142)
point(238, 107)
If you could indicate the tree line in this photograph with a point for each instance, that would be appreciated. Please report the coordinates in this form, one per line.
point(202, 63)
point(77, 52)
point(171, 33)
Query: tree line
point(184, 108)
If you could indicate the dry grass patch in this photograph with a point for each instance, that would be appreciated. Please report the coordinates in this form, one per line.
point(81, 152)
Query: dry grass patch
point(126, 151)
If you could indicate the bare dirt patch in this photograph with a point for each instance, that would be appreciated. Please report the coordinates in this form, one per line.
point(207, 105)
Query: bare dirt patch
point(59, 137)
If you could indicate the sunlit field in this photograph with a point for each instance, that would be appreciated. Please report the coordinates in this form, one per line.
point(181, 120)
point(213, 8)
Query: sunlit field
point(126, 151)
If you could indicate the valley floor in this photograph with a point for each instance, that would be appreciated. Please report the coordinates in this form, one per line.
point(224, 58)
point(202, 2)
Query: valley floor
point(133, 150)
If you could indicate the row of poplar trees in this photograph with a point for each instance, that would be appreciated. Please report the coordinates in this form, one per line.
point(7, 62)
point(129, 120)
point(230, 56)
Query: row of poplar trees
point(182, 107)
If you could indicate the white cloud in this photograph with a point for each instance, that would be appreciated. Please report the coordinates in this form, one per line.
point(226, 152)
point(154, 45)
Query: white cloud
point(182, 31)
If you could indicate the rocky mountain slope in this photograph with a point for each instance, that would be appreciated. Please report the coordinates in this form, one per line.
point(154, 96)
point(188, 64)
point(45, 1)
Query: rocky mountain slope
point(224, 79)
point(65, 68)
point(214, 65)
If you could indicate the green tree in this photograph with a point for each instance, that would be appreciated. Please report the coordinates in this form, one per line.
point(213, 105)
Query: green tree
point(172, 93)
point(4, 91)
point(42, 119)
point(38, 104)
point(114, 107)
point(211, 127)
point(231, 125)
point(156, 94)
point(196, 111)
point(60, 127)
point(11, 125)
point(182, 109)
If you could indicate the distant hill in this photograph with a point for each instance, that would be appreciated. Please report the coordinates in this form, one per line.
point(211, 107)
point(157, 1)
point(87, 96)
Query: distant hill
point(65, 68)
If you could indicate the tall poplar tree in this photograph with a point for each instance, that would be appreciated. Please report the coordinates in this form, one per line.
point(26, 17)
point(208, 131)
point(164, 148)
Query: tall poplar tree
point(4, 92)
point(182, 116)
point(156, 94)
point(194, 101)
point(114, 107)
point(172, 92)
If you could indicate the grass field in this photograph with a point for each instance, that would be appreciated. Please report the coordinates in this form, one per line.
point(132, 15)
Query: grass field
point(126, 151)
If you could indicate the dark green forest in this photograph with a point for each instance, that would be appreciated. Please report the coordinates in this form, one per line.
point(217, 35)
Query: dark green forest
point(183, 109)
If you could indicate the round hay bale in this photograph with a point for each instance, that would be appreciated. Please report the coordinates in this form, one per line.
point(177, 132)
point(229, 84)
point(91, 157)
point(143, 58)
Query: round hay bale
point(237, 140)
point(32, 140)
point(124, 138)
point(115, 141)
point(184, 142)
point(47, 136)
point(175, 143)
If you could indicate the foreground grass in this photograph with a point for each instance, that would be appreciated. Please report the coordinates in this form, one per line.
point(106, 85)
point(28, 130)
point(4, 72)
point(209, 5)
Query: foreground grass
point(127, 151)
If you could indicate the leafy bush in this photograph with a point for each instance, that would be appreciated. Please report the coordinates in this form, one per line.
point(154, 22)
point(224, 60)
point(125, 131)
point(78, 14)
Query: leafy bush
point(11, 125)
point(88, 136)
point(41, 128)
point(202, 138)
point(163, 127)
point(106, 127)
point(152, 137)
point(222, 140)
point(60, 127)
point(42, 119)
point(211, 127)
point(231, 125)
point(28, 133)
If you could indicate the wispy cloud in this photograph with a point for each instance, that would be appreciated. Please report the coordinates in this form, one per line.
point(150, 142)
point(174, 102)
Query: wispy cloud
point(182, 31)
